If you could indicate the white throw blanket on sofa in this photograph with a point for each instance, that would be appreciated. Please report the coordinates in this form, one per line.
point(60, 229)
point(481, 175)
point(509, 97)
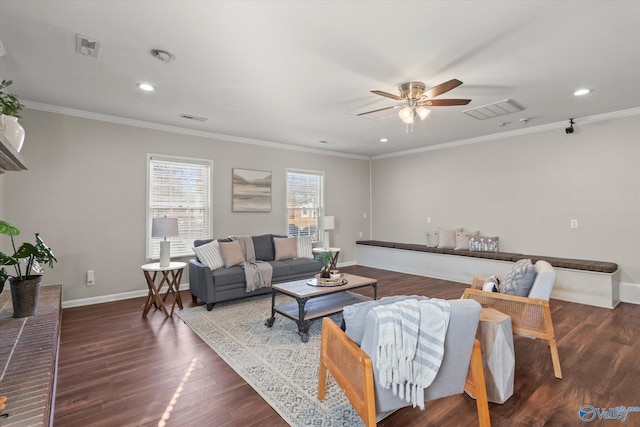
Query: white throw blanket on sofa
point(411, 345)
point(257, 274)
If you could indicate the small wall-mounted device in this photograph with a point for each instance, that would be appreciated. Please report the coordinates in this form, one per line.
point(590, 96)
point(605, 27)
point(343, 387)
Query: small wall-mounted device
point(570, 128)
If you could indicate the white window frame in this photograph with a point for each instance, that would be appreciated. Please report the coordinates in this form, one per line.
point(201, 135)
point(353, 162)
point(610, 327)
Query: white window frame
point(150, 246)
point(307, 212)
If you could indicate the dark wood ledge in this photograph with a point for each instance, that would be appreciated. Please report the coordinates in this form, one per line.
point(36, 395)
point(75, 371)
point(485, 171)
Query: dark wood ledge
point(575, 264)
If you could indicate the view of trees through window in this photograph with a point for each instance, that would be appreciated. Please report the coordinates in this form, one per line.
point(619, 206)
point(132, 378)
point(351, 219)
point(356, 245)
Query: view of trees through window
point(304, 203)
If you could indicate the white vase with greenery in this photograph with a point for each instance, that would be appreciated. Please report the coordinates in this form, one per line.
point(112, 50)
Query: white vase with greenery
point(10, 108)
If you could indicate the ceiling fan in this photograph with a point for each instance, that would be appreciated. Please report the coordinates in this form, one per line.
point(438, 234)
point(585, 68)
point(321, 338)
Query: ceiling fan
point(415, 99)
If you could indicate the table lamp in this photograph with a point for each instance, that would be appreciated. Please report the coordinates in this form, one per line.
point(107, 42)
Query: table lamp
point(164, 227)
point(329, 224)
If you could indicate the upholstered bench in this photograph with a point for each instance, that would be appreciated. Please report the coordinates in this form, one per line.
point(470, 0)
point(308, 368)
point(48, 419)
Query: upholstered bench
point(589, 282)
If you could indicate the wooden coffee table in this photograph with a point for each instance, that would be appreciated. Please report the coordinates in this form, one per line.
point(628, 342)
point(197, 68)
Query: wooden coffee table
point(313, 302)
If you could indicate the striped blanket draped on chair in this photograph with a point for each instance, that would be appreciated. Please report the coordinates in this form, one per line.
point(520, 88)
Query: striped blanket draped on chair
point(411, 345)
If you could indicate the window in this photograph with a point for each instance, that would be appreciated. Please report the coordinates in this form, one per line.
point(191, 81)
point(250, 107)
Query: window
point(180, 188)
point(305, 198)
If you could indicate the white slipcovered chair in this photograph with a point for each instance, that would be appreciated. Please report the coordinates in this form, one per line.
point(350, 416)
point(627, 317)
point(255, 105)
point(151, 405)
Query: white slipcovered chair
point(353, 366)
point(530, 315)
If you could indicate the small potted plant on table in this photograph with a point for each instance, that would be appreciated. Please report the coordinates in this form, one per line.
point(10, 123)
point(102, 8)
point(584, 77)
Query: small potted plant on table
point(326, 258)
point(25, 284)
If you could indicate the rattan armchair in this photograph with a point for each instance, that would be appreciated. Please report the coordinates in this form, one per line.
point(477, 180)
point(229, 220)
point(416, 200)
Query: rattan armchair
point(530, 316)
point(353, 370)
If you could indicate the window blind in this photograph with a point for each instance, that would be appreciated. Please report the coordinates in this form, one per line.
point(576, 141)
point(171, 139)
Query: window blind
point(304, 203)
point(179, 188)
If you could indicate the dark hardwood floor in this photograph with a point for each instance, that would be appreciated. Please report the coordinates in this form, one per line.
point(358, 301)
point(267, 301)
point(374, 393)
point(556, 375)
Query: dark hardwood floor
point(116, 369)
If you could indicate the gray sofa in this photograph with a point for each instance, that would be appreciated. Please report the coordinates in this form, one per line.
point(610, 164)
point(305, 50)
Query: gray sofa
point(224, 284)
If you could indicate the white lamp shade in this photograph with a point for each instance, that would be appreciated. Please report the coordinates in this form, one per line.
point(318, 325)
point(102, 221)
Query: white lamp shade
point(164, 227)
point(329, 222)
point(423, 112)
point(406, 114)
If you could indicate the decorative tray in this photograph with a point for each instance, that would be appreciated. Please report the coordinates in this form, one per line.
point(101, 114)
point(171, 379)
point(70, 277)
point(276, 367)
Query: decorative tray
point(321, 281)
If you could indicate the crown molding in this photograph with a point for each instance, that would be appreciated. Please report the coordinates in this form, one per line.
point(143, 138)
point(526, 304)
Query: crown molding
point(180, 130)
point(211, 135)
point(509, 134)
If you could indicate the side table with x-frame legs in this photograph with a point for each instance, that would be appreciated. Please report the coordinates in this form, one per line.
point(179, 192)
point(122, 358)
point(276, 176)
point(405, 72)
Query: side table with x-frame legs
point(171, 276)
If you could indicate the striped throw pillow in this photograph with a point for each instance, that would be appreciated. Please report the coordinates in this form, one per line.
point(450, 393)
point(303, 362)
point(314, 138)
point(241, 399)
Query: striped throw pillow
point(304, 247)
point(209, 254)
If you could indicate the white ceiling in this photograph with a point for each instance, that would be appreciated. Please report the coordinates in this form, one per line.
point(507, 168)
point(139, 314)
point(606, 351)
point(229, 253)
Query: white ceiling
point(290, 72)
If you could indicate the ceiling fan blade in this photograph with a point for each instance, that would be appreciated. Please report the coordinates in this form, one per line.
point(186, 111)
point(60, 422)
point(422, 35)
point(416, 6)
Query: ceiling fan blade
point(380, 109)
point(442, 88)
point(444, 102)
point(388, 95)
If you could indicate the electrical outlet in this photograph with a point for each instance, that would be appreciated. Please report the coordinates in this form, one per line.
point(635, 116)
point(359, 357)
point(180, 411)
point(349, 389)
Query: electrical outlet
point(360, 234)
point(91, 278)
point(574, 223)
point(428, 220)
point(364, 215)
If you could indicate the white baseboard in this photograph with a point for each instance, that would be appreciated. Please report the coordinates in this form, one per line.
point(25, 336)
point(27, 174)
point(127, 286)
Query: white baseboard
point(630, 292)
point(114, 297)
point(139, 293)
point(347, 264)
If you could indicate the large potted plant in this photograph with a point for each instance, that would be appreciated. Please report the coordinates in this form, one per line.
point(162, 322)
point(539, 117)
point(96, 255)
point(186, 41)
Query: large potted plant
point(25, 284)
point(10, 108)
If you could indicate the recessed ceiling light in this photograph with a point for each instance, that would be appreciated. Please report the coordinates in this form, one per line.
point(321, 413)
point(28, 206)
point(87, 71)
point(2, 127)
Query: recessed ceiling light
point(147, 87)
point(384, 140)
point(581, 92)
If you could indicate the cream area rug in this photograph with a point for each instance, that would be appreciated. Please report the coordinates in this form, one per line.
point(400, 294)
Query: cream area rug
point(274, 361)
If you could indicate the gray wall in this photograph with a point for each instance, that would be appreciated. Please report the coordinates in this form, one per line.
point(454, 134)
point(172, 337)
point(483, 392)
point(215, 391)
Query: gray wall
point(85, 193)
point(524, 189)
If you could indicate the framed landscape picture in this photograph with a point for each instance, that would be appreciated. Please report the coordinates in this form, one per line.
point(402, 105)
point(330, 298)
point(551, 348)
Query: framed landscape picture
point(251, 191)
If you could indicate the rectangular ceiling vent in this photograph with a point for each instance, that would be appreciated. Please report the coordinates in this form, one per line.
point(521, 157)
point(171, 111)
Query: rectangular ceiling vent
point(496, 109)
point(192, 117)
point(86, 46)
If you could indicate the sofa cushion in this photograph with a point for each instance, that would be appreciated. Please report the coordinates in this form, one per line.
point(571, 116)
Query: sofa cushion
point(232, 253)
point(519, 280)
point(263, 247)
point(209, 254)
point(355, 315)
point(228, 276)
point(280, 269)
point(286, 248)
point(303, 265)
point(304, 247)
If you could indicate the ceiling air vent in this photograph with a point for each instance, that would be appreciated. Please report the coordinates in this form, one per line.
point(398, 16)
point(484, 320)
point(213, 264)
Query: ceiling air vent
point(192, 117)
point(86, 46)
point(496, 109)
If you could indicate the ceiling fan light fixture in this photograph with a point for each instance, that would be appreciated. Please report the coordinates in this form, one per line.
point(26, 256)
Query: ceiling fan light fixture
point(423, 112)
point(406, 114)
